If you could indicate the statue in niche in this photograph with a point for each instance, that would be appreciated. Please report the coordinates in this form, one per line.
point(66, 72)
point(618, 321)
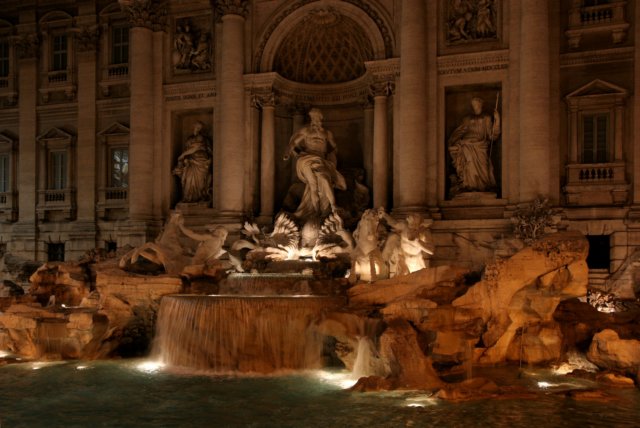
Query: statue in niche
point(194, 167)
point(316, 151)
point(407, 243)
point(470, 147)
point(471, 20)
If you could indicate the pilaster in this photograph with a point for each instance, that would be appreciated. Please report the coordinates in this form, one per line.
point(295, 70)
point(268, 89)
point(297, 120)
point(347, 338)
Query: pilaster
point(534, 99)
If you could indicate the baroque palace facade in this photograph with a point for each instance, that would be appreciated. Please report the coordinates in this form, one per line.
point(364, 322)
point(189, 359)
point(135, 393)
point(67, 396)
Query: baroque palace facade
point(461, 110)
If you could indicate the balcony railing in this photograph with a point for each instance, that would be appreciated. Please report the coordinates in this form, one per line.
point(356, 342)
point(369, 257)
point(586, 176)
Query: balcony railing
point(117, 70)
point(57, 76)
point(608, 17)
point(116, 193)
point(596, 184)
point(595, 173)
point(62, 200)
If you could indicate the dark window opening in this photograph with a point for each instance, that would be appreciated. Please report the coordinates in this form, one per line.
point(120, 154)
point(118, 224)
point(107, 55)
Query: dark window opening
point(4, 59)
point(55, 252)
point(599, 252)
point(59, 51)
point(111, 246)
point(595, 138)
point(119, 45)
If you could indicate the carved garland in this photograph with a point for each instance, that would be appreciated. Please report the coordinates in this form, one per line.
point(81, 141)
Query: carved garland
point(372, 13)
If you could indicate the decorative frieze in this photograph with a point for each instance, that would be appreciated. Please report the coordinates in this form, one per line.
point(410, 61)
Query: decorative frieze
point(150, 14)
point(604, 56)
point(190, 91)
point(473, 62)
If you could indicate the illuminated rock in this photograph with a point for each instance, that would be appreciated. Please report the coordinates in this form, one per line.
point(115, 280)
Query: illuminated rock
point(608, 351)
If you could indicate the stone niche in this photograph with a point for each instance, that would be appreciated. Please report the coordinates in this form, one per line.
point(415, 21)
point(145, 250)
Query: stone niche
point(183, 128)
point(458, 109)
point(354, 157)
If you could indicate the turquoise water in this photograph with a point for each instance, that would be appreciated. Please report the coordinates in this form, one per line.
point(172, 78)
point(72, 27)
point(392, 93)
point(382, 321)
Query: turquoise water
point(128, 394)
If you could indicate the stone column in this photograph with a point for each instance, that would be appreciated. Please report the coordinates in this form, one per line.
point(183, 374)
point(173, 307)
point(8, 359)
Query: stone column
point(380, 145)
point(534, 99)
point(267, 156)
point(411, 154)
point(634, 213)
point(86, 151)
point(367, 148)
point(25, 231)
point(231, 108)
point(145, 16)
point(83, 235)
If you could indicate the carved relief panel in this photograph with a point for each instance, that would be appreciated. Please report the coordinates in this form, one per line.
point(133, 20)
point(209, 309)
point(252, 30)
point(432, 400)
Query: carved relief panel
point(465, 23)
point(192, 43)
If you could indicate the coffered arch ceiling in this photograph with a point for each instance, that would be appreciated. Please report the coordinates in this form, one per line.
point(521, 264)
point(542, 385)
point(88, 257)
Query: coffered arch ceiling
point(324, 42)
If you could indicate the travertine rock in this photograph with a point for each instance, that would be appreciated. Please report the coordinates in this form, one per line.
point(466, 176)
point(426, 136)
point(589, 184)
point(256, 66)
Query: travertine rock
point(608, 351)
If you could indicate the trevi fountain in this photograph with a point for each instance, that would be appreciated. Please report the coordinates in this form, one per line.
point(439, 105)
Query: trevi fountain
point(309, 322)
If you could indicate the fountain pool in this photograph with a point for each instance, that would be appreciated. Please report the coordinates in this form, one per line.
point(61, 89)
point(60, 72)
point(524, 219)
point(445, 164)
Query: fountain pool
point(135, 393)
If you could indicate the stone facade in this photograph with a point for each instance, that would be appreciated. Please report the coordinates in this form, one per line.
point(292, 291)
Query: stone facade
point(97, 98)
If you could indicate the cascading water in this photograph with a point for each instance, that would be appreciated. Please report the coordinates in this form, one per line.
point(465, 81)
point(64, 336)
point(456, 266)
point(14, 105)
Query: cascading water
point(241, 333)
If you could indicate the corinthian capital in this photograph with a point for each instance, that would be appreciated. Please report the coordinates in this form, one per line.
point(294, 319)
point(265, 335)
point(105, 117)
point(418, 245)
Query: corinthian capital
point(231, 7)
point(150, 14)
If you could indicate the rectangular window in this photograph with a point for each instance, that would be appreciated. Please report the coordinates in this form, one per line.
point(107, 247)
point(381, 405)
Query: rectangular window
point(59, 53)
point(119, 167)
point(4, 173)
point(55, 252)
point(119, 45)
point(595, 138)
point(58, 171)
point(4, 59)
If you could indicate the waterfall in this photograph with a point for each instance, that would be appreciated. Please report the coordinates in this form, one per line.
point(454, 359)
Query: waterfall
point(51, 335)
point(241, 333)
point(363, 364)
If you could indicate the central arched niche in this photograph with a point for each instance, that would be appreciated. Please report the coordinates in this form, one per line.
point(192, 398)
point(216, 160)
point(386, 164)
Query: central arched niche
point(319, 51)
point(324, 47)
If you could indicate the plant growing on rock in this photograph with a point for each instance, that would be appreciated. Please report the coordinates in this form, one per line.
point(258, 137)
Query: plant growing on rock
point(530, 222)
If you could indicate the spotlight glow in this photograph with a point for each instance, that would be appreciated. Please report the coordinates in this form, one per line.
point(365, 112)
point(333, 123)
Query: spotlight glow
point(544, 385)
point(150, 366)
point(343, 380)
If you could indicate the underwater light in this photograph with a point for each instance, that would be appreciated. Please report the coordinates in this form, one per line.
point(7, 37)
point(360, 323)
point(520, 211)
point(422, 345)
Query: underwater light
point(81, 367)
point(544, 385)
point(343, 380)
point(150, 366)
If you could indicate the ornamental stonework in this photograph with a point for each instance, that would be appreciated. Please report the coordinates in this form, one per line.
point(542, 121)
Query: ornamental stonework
point(471, 21)
point(232, 7)
point(27, 46)
point(150, 14)
point(88, 39)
